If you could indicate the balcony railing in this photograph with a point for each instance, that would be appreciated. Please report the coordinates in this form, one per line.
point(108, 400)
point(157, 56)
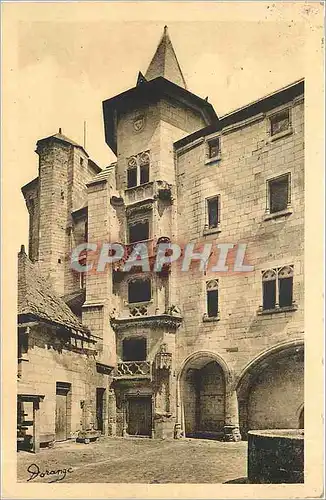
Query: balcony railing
point(133, 369)
point(139, 193)
point(148, 191)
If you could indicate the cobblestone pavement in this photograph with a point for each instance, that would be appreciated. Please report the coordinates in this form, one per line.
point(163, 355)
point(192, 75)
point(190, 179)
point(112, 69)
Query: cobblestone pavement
point(114, 460)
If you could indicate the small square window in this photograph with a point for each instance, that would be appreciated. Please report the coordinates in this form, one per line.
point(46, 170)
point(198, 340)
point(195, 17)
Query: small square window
point(81, 161)
point(280, 122)
point(139, 231)
point(134, 349)
point(213, 212)
point(279, 193)
point(213, 147)
point(139, 290)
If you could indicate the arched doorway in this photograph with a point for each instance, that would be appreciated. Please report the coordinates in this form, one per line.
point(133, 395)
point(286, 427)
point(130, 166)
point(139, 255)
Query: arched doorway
point(271, 389)
point(202, 393)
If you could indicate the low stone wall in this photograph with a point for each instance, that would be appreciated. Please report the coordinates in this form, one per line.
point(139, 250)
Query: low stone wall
point(276, 456)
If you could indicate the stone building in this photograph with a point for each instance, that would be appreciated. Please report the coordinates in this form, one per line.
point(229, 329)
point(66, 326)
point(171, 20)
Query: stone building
point(197, 352)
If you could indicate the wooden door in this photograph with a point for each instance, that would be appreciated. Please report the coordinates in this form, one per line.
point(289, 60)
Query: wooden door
point(61, 413)
point(140, 416)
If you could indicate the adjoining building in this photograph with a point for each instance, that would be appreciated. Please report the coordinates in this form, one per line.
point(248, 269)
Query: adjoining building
point(176, 353)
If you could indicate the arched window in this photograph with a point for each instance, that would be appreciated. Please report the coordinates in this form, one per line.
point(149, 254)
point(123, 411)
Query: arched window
point(285, 285)
point(269, 289)
point(278, 287)
point(138, 169)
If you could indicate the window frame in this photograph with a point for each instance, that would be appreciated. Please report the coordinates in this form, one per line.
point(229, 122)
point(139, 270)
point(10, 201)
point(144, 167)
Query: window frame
point(288, 209)
point(138, 218)
point(272, 115)
point(140, 278)
point(277, 276)
point(211, 285)
point(134, 338)
point(217, 228)
point(136, 162)
point(208, 140)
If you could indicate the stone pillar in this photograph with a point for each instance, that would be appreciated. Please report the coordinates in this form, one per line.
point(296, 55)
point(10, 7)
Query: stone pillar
point(179, 428)
point(231, 427)
point(124, 408)
point(112, 414)
point(36, 426)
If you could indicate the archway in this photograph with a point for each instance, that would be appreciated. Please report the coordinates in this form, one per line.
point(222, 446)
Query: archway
point(202, 386)
point(271, 389)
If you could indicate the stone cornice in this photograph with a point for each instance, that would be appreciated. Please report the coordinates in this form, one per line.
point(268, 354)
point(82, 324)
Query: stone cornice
point(160, 321)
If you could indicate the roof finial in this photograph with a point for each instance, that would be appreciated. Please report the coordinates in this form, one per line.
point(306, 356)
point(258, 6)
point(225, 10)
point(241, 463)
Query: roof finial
point(22, 249)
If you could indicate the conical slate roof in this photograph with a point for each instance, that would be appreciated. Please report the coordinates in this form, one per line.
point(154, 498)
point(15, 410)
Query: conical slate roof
point(165, 63)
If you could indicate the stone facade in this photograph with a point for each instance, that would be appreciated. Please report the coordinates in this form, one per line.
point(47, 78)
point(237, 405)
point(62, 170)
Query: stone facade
point(199, 374)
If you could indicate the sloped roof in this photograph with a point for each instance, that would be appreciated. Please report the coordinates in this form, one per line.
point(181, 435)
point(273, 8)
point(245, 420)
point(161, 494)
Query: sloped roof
point(262, 105)
point(36, 297)
point(103, 175)
point(59, 136)
point(165, 62)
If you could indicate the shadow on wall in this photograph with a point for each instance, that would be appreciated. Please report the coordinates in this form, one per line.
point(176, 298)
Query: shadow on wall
point(271, 391)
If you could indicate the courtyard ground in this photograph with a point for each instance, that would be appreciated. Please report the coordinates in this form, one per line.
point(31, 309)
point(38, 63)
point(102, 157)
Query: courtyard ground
point(117, 460)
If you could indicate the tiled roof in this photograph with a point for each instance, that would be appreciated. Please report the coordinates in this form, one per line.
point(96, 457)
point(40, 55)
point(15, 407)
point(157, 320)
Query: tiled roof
point(102, 176)
point(37, 298)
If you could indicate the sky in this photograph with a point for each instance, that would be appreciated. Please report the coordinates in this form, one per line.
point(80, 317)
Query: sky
point(64, 63)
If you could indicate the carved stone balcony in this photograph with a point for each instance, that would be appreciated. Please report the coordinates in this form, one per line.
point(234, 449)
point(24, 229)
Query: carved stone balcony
point(148, 193)
point(133, 370)
point(139, 193)
point(144, 314)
